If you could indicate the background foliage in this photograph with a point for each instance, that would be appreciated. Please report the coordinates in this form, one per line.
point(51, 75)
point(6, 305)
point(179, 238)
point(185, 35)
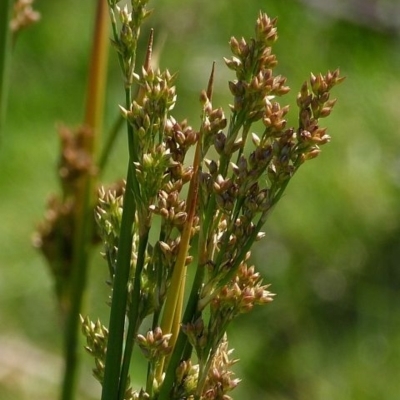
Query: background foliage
point(332, 249)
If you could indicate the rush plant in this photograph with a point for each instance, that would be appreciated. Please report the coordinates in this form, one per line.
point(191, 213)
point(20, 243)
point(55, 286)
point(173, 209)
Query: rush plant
point(195, 197)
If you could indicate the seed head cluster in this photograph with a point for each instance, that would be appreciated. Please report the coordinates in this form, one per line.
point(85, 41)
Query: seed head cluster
point(202, 215)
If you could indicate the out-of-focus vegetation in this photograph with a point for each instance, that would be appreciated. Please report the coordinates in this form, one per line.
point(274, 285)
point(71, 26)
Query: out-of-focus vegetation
point(333, 243)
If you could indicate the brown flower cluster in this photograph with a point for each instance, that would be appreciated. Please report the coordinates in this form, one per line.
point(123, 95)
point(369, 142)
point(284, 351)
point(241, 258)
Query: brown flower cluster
point(314, 104)
point(241, 294)
point(253, 62)
point(218, 382)
point(56, 234)
point(23, 15)
point(240, 187)
point(154, 344)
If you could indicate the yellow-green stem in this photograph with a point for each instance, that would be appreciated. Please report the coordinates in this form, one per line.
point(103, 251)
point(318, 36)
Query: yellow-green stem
point(85, 200)
point(171, 314)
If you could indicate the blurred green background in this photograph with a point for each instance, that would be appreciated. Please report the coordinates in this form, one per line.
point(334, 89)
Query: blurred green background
point(332, 249)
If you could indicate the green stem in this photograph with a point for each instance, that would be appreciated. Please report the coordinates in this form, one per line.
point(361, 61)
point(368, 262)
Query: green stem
point(203, 369)
point(112, 371)
point(79, 279)
point(245, 134)
point(133, 315)
point(5, 56)
point(120, 294)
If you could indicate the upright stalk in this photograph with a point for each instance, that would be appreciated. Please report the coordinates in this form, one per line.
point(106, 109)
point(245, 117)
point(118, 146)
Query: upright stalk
point(112, 371)
point(120, 296)
point(85, 199)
